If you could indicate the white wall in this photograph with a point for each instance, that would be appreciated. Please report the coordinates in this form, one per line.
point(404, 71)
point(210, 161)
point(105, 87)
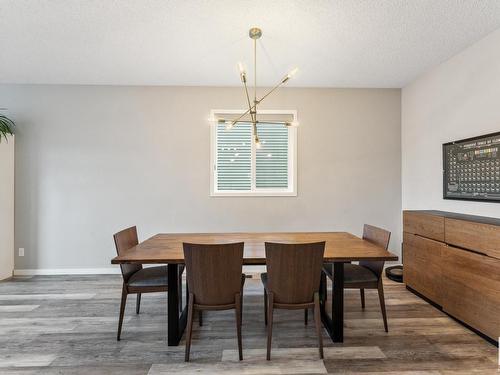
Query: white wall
point(91, 160)
point(456, 100)
point(6, 207)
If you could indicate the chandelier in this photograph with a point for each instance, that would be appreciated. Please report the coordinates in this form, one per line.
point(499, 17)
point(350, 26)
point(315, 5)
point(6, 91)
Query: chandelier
point(254, 34)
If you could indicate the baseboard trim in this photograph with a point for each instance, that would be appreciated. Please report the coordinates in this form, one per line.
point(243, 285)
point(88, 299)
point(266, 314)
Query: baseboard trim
point(251, 270)
point(67, 271)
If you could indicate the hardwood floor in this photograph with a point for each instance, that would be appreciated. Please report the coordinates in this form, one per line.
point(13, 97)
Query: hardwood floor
point(67, 325)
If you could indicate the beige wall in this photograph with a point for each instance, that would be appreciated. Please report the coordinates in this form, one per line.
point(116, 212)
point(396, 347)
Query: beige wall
point(92, 160)
point(6, 208)
point(456, 100)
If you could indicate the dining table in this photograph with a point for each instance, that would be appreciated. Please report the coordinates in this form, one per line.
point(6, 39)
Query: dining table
point(340, 248)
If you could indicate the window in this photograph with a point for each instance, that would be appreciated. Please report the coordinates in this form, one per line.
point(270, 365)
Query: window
point(241, 169)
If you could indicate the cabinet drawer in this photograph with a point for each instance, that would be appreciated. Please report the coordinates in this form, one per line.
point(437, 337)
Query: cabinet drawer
point(483, 238)
point(423, 224)
point(422, 266)
point(471, 289)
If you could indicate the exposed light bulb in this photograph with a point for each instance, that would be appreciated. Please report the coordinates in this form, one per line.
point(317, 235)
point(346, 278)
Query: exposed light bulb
point(292, 73)
point(243, 75)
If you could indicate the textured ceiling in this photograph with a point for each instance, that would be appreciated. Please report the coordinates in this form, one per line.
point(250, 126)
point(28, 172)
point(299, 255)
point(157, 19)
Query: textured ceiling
point(349, 43)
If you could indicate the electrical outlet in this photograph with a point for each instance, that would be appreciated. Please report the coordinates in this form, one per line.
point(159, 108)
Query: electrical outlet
point(21, 251)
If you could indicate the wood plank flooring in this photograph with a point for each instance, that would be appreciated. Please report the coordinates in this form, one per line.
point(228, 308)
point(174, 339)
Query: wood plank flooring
point(67, 325)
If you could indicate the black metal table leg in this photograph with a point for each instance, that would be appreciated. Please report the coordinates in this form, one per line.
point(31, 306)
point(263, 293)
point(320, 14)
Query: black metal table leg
point(335, 326)
point(338, 302)
point(323, 290)
point(176, 319)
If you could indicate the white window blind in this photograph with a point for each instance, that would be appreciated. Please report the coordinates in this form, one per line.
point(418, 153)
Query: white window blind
point(272, 158)
point(234, 158)
point(239, 168)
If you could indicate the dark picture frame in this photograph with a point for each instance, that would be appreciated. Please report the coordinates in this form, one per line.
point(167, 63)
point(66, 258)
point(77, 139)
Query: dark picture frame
point(469, 197)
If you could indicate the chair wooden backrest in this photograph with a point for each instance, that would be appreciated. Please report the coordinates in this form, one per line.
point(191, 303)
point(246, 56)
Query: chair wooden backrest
point(294, 271)
point(379, 237)
point(214, 272)
point(125, 240)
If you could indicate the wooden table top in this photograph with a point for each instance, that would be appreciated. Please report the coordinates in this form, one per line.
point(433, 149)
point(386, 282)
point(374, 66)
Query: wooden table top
point(167, 248)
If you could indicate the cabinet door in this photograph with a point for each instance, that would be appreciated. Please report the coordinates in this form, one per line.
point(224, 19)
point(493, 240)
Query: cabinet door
point(422, 266)
point(471, 287)
point(480, 237)
point(424, 224)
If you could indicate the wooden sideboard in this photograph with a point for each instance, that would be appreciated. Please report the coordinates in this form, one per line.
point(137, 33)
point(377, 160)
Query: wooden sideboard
point(453, 260)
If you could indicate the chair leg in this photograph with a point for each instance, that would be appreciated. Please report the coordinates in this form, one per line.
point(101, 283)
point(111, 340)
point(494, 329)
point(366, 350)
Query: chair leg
point(382, 303)
point(317, 322)
point(122, 312)
point(138, 303)
point(189, 327)
point(200, 318)
point(306, 313)
point(241, 305)
point(265, 307)
point(238, 324)
point(270, 324)
point(362, 293)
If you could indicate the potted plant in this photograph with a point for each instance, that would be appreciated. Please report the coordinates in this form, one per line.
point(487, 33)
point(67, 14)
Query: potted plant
point(6, 127)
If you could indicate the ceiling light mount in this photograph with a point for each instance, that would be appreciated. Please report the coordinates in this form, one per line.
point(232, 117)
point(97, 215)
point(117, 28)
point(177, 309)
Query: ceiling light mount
point(255, 33)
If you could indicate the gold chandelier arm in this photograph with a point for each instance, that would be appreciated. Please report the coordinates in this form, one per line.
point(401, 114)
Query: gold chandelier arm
point(281, 83)
point(255, 71)
point(254, 112)
point(271, 91)
point(243, 115)
point(271, 122)
point(257, 102)
point(274, 122)
point(248, 101)
point(249, 110)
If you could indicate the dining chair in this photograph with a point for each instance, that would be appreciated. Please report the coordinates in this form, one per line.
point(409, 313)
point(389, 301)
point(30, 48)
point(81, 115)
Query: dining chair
point(215, 282)
point(292, 282)
point(366, 274)
point(136, 279)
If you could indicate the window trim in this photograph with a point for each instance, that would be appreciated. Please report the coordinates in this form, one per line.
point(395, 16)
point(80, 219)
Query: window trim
point(262, 192)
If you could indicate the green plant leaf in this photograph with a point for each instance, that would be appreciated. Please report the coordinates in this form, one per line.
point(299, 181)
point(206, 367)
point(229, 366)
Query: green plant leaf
point(6, 127)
